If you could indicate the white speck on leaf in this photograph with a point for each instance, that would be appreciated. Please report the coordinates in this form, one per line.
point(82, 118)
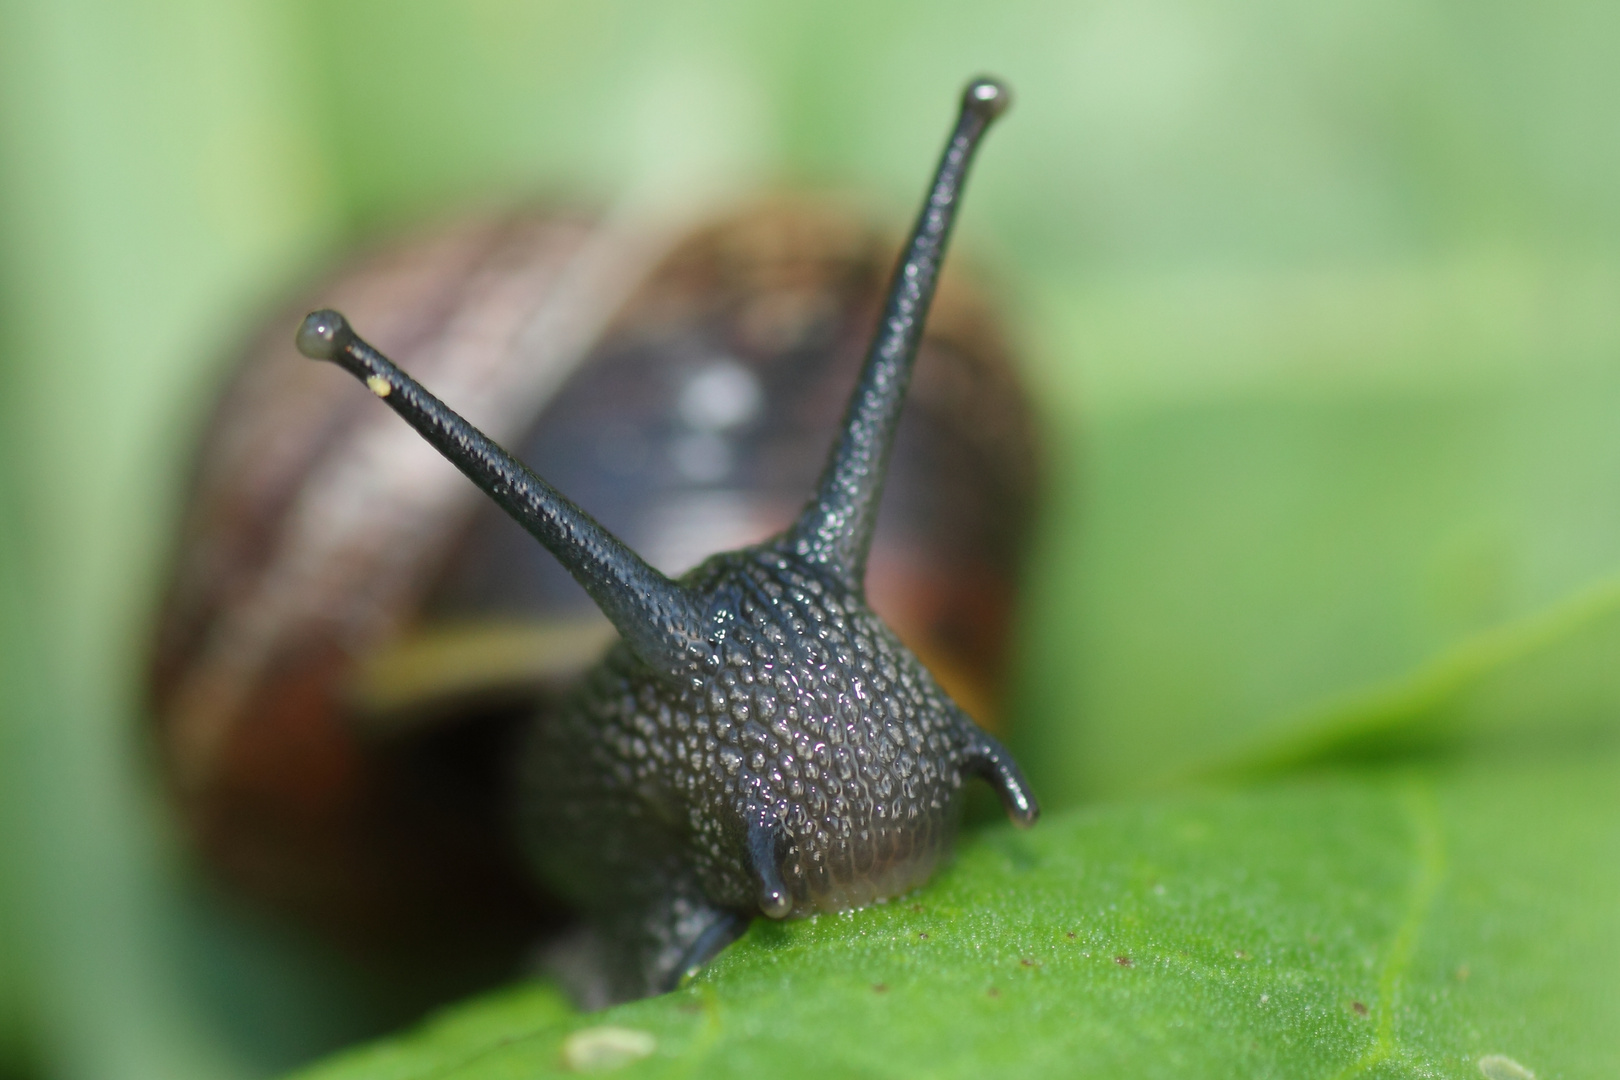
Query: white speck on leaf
point(602, 1049)
point(1502, 1067)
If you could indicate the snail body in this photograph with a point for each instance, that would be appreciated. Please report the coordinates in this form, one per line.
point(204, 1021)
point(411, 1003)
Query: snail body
point(758, 741)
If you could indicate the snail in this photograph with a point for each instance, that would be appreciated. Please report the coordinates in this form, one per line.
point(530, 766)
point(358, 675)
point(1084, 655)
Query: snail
point(757, 740)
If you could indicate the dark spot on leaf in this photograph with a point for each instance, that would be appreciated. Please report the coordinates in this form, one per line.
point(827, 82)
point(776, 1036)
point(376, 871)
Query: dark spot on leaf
point(1240, 954)
point(690, 1007)
point(1123, 961)
point(1463, 973)
point(916, 909)
point(1361, 1010)
point(880, 988)
point(1071, 935)
point(993, 992)
point(923, 934)
point(1027, 962)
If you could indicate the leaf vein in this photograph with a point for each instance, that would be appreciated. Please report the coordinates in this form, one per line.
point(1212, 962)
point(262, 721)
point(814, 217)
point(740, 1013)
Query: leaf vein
point(1429, 857)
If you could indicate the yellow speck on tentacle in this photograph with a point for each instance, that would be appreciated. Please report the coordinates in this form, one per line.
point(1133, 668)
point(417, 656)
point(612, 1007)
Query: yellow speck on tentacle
point(379, 385)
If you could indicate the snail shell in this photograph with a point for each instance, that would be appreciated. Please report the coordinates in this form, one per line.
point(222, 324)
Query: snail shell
point(351, 631)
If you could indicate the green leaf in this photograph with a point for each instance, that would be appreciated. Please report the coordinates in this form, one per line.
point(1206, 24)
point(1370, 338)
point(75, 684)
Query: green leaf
point(1322, 289)
point(1398, 922)
point(1248, 569)
point(1546, 682)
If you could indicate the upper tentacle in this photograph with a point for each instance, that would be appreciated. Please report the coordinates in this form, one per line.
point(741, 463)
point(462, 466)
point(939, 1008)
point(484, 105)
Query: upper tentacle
point(835, 529)
point(662, 622)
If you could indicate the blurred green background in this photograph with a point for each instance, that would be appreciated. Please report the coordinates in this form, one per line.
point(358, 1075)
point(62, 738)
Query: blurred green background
point(1320, 300)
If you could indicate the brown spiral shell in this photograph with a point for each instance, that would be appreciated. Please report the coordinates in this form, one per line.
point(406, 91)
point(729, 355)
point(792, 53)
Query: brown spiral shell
point(349, 629)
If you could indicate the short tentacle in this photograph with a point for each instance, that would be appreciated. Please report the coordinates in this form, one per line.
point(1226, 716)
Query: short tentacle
point(765, 858)
point(989, 760)
point(835, 529)
point(661, 621)
point(726, 927)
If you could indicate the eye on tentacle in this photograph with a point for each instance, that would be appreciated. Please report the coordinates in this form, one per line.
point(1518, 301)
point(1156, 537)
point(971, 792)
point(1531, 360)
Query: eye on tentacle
point(989, 760)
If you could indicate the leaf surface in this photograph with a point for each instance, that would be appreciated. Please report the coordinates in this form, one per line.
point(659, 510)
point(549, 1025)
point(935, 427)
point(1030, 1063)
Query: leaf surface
point(1252, 574)
point(1363, 923)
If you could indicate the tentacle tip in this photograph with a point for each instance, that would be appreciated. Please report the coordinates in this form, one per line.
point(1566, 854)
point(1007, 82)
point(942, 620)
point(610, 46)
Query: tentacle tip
point(775, 903)
point(323, 334)
point(764, 845)
point(1023, 811)
point(986, 96)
